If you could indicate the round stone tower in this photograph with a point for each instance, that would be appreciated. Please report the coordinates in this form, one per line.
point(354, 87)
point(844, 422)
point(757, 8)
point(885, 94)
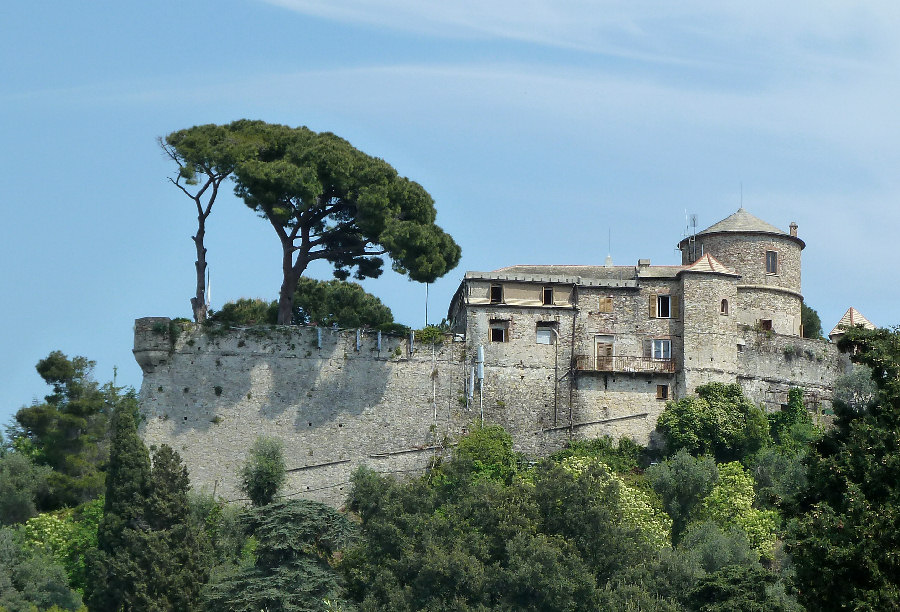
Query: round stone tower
point(768, 261)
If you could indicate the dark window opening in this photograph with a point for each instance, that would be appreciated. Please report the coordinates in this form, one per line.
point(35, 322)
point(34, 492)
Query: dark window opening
point(662, 392)
point(547, 297)
point(765, 324)
point(771, 262)
point(663, 306)
point(499, 331)
point(723, 308)
point(496, 294)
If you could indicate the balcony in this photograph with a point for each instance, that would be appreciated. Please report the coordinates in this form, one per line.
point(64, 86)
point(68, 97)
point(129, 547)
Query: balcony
point(624, 364)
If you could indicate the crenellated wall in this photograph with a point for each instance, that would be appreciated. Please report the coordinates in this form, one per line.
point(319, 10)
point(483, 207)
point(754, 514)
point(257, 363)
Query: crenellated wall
point(338, 400)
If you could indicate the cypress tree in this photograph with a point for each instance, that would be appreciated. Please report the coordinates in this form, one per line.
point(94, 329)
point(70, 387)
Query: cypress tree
point(147, 554)
point(175, 548)
point(116, 579)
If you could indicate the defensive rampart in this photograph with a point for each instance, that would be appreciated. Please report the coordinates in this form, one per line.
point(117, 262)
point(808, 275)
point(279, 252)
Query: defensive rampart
point(341, 399)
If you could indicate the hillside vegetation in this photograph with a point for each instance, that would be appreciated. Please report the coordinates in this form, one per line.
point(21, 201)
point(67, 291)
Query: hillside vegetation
point(741, 510)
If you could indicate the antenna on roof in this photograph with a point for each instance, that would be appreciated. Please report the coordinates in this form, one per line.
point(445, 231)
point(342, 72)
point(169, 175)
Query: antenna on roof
point(692, 239)
point(742, 193)
point(608, 261)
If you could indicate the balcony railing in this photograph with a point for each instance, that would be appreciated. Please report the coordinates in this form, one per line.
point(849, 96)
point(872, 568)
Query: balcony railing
point(624, 364)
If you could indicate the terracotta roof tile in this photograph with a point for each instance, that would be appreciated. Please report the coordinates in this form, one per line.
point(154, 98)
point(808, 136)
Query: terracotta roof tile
point(708, 263)
point(851, 318)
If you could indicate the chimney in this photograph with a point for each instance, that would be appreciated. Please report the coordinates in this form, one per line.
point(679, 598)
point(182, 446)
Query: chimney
point(793, 229)
point(643, 263)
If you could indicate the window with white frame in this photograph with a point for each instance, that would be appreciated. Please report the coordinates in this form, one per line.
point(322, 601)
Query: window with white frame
point(663, 307)
point(662, 349)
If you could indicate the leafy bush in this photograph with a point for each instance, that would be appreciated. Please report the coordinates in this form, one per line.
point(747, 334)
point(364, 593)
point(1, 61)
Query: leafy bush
point(21, 482)
point(730, 504)
point(682, 482)
point(246, 311)
point(719, 421)
point(29, 579)
point(67, 536)
point(263, 473)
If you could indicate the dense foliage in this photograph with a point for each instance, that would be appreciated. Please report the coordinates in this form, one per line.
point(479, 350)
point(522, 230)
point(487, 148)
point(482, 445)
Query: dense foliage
point(30, 579)
point(341, 303)
point(325, 199)
point(297, 542)
point(846, 539)
point(719, 421)
point(328, 303)
point(488, 531)
point(810, 322)
point(68, 431)
point(148, 554)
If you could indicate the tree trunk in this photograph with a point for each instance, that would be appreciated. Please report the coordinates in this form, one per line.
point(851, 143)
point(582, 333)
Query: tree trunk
point(198, 302)
point(292, 273)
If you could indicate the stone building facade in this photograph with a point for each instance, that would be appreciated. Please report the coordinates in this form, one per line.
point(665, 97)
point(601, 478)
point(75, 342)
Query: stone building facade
point(636, 336)
point(552, 353)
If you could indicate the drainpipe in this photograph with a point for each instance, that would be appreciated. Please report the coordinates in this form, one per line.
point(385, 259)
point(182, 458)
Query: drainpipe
point(555, 376)
point(572, 357)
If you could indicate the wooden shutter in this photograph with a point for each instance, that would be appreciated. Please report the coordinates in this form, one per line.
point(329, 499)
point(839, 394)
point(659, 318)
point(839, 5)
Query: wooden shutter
point(673, 307)
point(605, 304)
point(648, 347)
point(653, 305)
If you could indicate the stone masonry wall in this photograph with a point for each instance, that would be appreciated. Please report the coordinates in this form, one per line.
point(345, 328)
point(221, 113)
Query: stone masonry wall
point(770, 364)
point(337, 401)
point(334, 407)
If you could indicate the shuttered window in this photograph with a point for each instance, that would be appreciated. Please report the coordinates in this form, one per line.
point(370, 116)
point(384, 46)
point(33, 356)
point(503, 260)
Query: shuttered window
point(663, 306)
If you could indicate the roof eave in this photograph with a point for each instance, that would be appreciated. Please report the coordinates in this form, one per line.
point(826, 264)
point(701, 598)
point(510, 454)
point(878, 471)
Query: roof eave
point(753, 232)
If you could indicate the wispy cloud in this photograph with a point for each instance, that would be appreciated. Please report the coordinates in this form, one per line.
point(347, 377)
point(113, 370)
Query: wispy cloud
point(690, 31)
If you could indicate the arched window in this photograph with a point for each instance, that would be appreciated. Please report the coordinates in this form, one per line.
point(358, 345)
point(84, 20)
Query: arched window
point(723, 307)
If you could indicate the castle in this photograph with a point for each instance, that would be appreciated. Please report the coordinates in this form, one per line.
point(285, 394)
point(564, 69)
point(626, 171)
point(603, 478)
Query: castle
point(551, 353)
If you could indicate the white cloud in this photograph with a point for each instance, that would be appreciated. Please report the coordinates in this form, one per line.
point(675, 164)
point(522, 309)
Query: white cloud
point(734, 33)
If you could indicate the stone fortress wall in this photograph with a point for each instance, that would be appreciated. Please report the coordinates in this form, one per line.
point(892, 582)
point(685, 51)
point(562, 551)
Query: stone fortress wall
point(342, 399)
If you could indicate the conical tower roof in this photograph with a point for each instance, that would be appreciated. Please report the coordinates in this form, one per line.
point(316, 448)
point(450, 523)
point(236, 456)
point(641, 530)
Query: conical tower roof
point(742, 221)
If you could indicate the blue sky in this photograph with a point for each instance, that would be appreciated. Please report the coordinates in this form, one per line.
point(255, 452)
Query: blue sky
point(541, 128)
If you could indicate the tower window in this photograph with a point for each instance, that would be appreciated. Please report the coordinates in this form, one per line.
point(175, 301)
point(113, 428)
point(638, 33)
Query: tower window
point(723, 307)
point(771, 262)
point(496, 294)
